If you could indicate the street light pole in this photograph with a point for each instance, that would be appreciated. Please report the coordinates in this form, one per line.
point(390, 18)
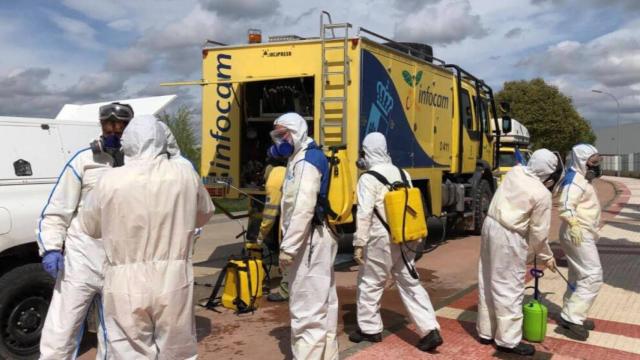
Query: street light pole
point(618, 155)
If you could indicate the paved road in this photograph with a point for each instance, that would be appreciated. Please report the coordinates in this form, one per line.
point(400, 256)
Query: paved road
point(446, 272)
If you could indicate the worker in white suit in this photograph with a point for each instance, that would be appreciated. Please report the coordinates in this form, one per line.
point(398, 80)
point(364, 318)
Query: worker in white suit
point(379, 257)
point(78, 269)
point(580, 214)
point(518, 221)
point(308, 247)
point(146, 213)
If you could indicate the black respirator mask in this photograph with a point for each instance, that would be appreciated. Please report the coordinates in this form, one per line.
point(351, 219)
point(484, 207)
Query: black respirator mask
point(362, 163)
point(593, 171)
point(552, 181)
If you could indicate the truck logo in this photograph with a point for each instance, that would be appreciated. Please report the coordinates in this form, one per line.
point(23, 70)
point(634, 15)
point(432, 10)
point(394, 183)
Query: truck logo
point(380, 108)
point(412, 81)
point(222, 159)
point(267, 53)
point(433, 99)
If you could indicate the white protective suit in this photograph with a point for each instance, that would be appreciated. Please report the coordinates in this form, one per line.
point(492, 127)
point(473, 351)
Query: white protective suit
point(80, 282)
point(519, 217)
point(313, 301)
point(381, 256)
point(146, 212)
point(579, 201)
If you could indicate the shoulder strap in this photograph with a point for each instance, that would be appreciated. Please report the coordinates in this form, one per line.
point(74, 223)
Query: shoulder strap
point(213, 302)
point(379, 177)
point(403, 176)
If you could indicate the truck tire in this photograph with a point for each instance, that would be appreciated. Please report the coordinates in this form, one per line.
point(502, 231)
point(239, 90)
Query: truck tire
point(482, 196)
point(25, 293)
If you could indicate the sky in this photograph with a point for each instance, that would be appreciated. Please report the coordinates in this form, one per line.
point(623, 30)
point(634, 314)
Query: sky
point(84, 51)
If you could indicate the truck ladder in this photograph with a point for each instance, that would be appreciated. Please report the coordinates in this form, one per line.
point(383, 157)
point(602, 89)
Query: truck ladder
point(335, 81)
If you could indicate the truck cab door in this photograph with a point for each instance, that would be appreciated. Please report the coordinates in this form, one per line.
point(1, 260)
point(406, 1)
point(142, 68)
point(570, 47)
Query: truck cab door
point(471, 132)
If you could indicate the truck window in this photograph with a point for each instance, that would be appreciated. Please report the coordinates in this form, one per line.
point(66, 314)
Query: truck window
point(484, 116)
point(467, 117)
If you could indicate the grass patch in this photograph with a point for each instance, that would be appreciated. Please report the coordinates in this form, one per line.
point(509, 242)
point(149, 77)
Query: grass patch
point(232, 205)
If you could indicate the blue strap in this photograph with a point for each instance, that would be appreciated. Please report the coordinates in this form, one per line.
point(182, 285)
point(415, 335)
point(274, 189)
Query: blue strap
point(314, 156)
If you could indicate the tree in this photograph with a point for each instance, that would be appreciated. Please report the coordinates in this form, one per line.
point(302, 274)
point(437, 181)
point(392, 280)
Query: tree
point(548, 114)
point(180, 125)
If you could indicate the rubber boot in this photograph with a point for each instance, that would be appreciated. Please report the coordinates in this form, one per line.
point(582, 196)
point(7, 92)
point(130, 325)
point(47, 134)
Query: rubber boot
point(520, 349)
point(588, 325)
point(431, 341)
point(576, 332)
point(358, 336)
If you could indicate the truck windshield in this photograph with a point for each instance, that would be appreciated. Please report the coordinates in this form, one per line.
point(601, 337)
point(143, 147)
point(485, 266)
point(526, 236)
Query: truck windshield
point(508, 159)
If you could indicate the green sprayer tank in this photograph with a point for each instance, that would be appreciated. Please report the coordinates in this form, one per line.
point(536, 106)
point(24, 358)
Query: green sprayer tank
point(534, 325)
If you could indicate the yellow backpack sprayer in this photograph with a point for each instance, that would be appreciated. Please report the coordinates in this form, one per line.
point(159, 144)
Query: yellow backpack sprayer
point(404, 211)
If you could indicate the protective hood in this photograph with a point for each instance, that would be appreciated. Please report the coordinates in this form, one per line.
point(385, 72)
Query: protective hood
point(172, 145)
point(542, 164)
point(374, 146)
point(143, 139)
point(580, 154)
point(298, 128)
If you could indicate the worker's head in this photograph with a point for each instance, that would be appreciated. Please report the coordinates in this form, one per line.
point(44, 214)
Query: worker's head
point(546, 166)
point(374, 151)
point(585, 160)
point(289, 135)
point(172, 145)
point(114, 118)
point(144, 139)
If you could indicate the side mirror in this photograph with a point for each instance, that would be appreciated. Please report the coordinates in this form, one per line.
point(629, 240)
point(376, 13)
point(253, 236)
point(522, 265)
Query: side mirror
point(506, 124)
point(505, 107)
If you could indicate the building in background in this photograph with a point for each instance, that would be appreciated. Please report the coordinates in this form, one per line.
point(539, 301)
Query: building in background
point(606, 140)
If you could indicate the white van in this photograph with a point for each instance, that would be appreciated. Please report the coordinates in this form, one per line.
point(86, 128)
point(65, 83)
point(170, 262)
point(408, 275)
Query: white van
point(33, 152)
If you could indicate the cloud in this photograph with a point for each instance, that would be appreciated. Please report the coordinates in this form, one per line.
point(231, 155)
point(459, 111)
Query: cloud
point(238, 9)
point(131, 60)
point(628, 5)
point(99, 10)
point(23, 92)
point(449, 22)
point(513, 33)
point(410, 6)
point(122, 25)
point(612, 60)
point(97, 86)
point(76, 31)
point(24, 82)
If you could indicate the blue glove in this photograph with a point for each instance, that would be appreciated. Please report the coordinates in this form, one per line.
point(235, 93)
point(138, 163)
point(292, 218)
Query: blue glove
point(53, 262)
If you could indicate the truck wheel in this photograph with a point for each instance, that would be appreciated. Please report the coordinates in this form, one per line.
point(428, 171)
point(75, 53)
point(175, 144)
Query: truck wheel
point(25, 293)
point(481, 200)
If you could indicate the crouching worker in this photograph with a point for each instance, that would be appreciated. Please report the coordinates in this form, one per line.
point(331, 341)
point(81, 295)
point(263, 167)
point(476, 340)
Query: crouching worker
point(378, 256)
point(146, 213)
point(519, 217)
point(308, 248)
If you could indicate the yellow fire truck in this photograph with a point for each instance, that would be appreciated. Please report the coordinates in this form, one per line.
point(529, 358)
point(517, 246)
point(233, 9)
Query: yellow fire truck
point(435, 115)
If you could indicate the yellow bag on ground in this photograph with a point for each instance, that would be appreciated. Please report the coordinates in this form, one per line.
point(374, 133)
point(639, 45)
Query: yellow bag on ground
point(242, 291)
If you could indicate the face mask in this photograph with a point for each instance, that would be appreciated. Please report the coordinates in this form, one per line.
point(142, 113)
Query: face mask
point(281, 150)
point(553, 179)
point(109, 144)
point(282, 146)
point(362, 163)
point(593, 172)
